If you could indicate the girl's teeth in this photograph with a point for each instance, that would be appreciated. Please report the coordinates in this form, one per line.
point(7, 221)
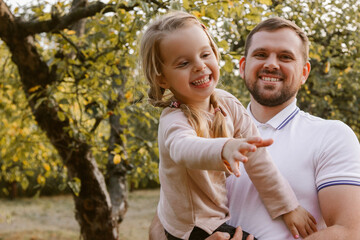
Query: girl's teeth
point(201, 81)
point(270, 79)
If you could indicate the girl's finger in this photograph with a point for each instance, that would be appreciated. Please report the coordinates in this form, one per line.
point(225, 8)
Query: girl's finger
point(263, 142)
point(247, 147)
point(235, 168)
point(294, 231)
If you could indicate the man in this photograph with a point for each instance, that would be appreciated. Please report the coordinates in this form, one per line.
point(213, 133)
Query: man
point(320, 158)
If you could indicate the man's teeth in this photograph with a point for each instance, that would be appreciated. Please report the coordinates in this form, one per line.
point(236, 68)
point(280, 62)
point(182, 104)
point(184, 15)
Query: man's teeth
point(270, 79)
point(201, 81)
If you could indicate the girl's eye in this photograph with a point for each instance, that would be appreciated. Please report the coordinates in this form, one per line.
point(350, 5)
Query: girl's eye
point(182, 64)
point(205, 55)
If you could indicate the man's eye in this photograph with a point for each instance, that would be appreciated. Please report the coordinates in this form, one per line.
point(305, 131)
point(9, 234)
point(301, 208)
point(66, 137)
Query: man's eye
point(260, 55)
point(286, 57)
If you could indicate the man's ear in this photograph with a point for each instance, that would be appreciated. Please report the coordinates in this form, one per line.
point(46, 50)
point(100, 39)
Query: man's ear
point(161, 80)
point(306, 72)
point(242, 67)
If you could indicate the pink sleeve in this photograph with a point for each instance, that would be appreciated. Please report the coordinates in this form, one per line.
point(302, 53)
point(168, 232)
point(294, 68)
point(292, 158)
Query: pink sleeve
point(186, 148)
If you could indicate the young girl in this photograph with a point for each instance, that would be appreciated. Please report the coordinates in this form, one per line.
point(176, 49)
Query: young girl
point(203, 134)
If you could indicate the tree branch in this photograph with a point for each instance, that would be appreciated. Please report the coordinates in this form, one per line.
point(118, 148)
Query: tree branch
point(58, 23)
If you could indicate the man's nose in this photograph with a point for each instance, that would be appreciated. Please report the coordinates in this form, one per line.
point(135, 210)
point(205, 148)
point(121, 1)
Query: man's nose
point(271, 62)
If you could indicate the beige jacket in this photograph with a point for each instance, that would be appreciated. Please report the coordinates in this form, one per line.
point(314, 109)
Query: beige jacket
point(192, 173)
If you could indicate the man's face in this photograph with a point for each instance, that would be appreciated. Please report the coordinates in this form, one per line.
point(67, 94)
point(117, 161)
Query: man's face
point(274, 68)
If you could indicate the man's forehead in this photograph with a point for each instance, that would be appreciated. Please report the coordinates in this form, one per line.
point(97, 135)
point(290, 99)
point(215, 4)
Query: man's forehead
point(283, 38)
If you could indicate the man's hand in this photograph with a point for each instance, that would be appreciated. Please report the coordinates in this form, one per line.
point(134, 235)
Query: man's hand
point(226, 236)
point(156, 230)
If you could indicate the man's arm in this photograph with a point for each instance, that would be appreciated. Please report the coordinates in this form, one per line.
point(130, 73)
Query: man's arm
point(340, 206)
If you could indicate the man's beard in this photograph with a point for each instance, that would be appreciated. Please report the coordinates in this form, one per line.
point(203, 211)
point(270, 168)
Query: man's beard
point(270, 101)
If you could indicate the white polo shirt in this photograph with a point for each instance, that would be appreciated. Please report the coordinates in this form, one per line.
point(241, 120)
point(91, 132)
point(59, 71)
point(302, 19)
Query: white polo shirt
point(311, 153)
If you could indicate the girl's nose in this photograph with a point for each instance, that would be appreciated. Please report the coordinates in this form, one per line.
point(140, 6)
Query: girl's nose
point(199, 66)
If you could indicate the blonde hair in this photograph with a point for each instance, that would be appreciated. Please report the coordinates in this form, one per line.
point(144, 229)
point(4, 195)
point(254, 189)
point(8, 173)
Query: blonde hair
point(152, 66)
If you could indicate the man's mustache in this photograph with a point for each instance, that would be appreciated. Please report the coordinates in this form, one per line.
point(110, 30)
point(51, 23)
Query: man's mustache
point(274, 73)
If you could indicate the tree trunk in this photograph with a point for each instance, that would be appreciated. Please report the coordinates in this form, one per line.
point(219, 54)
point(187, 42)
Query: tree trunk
point(116, 173)
point(93, 204)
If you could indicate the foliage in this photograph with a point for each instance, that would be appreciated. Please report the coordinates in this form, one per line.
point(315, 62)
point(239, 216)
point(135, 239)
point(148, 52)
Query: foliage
point(102, 66)
point(26, 154)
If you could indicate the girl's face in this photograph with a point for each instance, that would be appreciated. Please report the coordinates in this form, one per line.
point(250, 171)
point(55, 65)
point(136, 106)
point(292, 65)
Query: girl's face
point(190, 69)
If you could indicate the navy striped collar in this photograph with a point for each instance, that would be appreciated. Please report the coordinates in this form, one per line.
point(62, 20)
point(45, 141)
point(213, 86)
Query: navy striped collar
point(281, 119)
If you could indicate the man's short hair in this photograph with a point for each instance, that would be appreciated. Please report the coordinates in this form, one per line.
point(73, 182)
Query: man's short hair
point(276, 23)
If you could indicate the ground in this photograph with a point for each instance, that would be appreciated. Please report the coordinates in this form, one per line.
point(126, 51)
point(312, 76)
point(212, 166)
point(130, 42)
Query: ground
point(53, 217)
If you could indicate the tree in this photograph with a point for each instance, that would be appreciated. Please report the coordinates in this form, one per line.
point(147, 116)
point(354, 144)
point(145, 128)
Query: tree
point(69, 105)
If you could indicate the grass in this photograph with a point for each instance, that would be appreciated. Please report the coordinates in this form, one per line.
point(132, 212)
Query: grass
point(53, 218)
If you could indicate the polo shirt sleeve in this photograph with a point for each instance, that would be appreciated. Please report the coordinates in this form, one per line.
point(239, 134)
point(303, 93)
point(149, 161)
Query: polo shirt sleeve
point(338, 162)
point(186, 148)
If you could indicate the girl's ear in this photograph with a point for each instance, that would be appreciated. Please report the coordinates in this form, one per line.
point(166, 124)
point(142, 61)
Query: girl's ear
point(161, 80)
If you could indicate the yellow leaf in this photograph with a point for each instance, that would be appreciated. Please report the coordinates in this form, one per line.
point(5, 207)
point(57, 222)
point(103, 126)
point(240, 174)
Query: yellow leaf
point(196, 14)
point(128, 95)
point(117, 159)
point(315, 56)
point(46, 167)
point(224, 45)
point(266, 2)
point(40, 179)
point(71, 32)
point(61, 116)
point(142, 151)
point(327, 67)
point(186, 4)
point(348, 69)
point(15, 159)
point(33, 89)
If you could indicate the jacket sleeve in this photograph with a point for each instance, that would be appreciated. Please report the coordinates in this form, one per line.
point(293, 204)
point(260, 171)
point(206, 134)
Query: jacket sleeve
point(186, 148)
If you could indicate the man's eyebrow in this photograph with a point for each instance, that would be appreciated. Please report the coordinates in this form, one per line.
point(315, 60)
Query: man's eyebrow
point(282, 51)
point(288, 52)
point(259, 49)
